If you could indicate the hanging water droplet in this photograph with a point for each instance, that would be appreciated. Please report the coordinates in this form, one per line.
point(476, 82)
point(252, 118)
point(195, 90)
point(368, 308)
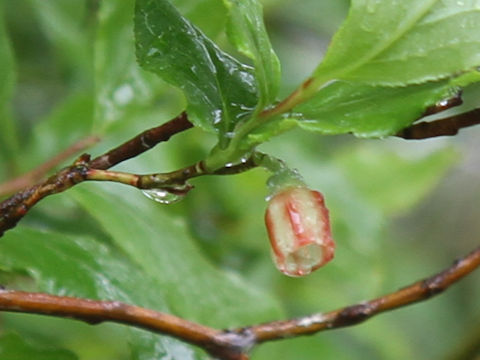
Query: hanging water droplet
point(443, 103)
point(163, 196)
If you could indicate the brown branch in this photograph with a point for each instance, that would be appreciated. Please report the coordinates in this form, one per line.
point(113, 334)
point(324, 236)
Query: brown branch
point(142, 142)
point(13, 209)
point(355, 314)
point(233, 344)
point(443, 127)
point(29, 178)
point(445, 104)
point(95, 312)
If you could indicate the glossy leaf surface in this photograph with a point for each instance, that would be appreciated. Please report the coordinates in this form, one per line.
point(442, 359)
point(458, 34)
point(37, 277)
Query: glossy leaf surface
point(247, 32)
point(369, 111)
point(404, 42)
point(219, 90)
point(159, 244)
point(211, 25)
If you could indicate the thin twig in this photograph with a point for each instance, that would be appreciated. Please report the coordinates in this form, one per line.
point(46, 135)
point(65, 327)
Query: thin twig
point(142, 142)
point(443, 127)
point(31, 177)
point(355, 314)
point(13, 209)
point(445, 104)
point(233, 344)
point(95, 312)
point(174, 179)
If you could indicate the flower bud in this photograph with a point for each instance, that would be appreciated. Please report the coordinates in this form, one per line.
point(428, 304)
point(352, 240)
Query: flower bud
point(299, 230)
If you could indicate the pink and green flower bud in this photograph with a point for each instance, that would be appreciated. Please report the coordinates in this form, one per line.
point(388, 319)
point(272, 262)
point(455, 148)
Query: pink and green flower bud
point(299, 230)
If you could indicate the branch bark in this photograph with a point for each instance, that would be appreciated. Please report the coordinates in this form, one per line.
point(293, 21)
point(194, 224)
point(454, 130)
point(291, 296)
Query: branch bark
point(142, 142)
point(355, 314)
point(29, 178)
point(234, 344)
point(13, 209)
point(448, 126)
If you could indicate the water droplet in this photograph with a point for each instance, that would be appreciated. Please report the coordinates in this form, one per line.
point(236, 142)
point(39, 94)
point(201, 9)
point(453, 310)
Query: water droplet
point(163, 196)
point(217, 116)
point(153, 51)
point(230, 134)
point(443, 103)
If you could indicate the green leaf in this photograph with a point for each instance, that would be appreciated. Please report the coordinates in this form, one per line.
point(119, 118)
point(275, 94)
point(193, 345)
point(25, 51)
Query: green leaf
point(211, 25)
point(369, 111)
point(121, 85)
point(159, 244)
point(265, 132)
point(219, 89)
point(13, 347)
point(404, 42)
point(247, 32)
point(393, 182)
point(8, 140)
point(90, 270)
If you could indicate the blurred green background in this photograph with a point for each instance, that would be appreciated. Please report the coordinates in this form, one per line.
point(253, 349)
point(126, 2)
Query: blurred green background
point(401, 210)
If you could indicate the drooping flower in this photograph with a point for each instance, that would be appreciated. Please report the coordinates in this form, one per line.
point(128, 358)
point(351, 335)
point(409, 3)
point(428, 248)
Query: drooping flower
point(298, 226)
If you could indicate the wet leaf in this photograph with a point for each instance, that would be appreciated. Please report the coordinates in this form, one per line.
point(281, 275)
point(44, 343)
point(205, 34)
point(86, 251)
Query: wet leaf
point(219, 90)
point(404, 42)
point(211, 25)
point(158, 243)
point(247, 32)
point(369, 111)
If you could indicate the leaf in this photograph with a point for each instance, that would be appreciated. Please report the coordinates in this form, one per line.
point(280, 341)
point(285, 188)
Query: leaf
point(211, 25)
point(13, 347)
point(121, 86)
point(89, 270)
point(369, 111)
point(159, 244)
point(393, 182)
point(247, 32)
point(404, 42)
point(8, 141)
point(219, 89)
point(265, 132)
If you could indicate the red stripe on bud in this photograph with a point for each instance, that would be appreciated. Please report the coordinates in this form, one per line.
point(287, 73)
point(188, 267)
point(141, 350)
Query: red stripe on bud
point(298, 226)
